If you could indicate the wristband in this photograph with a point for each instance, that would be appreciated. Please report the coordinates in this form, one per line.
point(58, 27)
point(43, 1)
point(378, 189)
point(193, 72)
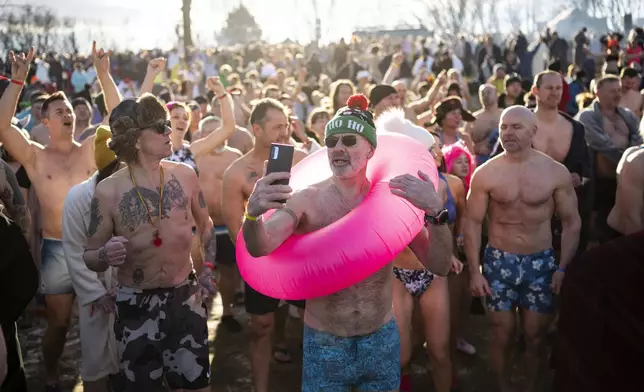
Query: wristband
point(561, 269)
point(222, 96)
point(209, 265)
point(250, 217)
point(18, 82)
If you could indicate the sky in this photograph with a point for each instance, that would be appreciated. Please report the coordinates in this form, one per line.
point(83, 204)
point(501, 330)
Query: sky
point(150, 23)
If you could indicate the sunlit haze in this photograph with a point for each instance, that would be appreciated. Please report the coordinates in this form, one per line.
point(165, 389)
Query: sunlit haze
point(151, 23)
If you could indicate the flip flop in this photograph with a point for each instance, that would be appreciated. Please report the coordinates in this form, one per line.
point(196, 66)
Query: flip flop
point(282, 355)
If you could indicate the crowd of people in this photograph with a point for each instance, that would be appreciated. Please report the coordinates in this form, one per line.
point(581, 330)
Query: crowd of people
point(127, 182)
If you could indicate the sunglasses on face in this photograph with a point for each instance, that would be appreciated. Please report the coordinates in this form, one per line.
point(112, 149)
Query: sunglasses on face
point(347, 140)
point(161, 126)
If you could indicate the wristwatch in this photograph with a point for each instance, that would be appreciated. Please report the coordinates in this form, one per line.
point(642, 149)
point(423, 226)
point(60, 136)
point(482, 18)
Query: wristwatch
point(441, 218)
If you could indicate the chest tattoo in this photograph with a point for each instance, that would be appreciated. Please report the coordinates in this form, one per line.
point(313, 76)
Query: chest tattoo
point(252, 176)
point(134, 213)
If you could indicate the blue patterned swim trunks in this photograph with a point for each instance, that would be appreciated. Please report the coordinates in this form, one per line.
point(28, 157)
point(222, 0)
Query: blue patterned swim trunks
point(519, 280)
point(337, 364)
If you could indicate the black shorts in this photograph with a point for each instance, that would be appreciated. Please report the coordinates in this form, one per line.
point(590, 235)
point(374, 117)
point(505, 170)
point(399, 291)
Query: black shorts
point(258, 304)
point(225, 247)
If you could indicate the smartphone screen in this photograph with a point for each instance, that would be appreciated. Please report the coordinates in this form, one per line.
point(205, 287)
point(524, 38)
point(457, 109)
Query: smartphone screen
point(280, 160)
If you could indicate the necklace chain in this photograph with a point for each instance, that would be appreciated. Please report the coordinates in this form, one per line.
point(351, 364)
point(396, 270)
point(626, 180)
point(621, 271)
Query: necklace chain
point(161, 186)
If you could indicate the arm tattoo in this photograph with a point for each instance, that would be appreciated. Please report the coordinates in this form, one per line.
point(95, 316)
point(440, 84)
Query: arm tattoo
point(95, 217)
point(210, 247)
point(102, 255)
point(202, 200)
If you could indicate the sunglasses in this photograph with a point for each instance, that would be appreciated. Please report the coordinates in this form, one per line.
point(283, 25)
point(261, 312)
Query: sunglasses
point(161, 126)
point(347, 141)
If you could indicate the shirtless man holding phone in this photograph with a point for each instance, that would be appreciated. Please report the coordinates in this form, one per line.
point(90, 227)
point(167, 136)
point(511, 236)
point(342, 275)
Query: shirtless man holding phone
point(270, 124)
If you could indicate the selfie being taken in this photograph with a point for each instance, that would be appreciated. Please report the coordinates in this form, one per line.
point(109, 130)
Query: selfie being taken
point(285, 196)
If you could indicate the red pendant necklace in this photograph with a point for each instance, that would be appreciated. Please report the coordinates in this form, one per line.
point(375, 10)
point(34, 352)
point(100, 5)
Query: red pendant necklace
point(156, 238)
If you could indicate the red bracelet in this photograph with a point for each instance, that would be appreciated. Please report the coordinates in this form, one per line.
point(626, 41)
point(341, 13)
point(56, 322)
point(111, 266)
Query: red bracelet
point(222, 96)
point(19, 83)
point(209, 265)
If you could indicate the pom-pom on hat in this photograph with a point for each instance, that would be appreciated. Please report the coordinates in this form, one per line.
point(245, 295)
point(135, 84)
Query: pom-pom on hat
point(353, 118)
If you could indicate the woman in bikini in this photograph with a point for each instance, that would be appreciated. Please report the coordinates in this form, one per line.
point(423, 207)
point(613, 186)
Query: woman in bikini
point(414, 284)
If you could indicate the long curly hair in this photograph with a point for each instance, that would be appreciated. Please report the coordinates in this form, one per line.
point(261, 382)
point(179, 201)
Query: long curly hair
point(451, 153)
point(127, 121)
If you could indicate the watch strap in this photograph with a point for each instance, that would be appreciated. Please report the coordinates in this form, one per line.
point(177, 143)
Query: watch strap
point(441, 218)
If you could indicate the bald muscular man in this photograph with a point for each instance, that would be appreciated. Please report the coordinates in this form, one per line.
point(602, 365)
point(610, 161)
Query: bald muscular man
point(519, 268)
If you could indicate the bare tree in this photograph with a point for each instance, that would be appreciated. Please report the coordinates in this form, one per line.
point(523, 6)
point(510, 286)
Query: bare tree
point(25, 26)
point(187, 24)
point(451, 17)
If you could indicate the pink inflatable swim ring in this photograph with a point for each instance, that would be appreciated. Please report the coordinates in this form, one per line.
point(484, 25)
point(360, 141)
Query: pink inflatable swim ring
point(355, 247)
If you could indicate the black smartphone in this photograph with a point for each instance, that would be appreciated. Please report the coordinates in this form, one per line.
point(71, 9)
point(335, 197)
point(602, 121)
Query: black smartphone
point(280, 160)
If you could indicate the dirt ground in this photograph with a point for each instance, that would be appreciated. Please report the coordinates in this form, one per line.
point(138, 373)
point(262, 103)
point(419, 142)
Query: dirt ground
point(231, 362)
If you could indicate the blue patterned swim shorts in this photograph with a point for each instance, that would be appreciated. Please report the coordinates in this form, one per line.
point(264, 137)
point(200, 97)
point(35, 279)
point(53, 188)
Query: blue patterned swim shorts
point(337, 364)
point(519, 280)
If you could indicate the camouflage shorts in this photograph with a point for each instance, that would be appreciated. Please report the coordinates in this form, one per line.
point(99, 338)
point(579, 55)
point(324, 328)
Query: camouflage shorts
point(162, 332)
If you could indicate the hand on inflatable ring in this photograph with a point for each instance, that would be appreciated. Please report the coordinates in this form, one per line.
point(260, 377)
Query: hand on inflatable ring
point(418, 191)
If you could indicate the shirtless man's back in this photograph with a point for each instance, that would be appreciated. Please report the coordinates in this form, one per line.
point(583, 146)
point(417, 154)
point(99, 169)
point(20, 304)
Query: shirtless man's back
point(241, 140)
point(627, 216)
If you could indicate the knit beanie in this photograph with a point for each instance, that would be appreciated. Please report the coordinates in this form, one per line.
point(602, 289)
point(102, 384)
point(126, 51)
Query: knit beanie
point(103, 156)
point(380, 92)
point(353, 118)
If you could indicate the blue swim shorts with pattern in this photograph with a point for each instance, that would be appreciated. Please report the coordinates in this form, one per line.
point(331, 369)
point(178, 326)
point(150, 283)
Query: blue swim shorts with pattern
point(519, 280)
point(337, 364)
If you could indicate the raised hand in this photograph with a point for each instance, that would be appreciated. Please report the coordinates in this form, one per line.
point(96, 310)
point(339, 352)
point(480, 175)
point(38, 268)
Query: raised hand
point(20, 65)
point(214, 84)
point(101, 59)
point(398, 58)
point(441, 78)
point(156, 66)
